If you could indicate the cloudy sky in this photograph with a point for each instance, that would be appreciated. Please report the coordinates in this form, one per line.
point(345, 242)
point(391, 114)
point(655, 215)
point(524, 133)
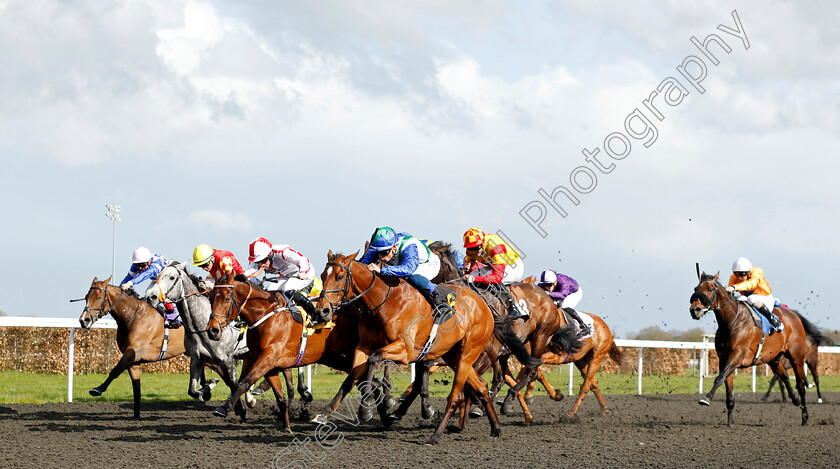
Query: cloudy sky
point(312, 123)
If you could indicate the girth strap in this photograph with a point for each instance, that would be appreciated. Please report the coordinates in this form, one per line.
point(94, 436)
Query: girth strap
point(165, 344)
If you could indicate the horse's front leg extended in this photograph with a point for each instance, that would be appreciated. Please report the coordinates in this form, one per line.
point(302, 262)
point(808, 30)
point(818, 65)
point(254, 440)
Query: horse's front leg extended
point(134, 372)
point(282, 403)
point(128, 358)
point(726, 369)
point(262, 365)
point(359, 369)
point(730, 399)
point(799, 372)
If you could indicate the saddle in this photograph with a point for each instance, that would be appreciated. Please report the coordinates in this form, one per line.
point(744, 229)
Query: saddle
point(447, 292)
point(760, 321)
point(495, 292)
point(300, 315)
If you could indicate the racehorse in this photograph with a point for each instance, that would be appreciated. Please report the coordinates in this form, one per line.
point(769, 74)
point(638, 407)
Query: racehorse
point(140, 333)
point(275, 337)
point(178, 286)
point(814, 340)
point(740, 344)
point(587, 359)
point(399, 321)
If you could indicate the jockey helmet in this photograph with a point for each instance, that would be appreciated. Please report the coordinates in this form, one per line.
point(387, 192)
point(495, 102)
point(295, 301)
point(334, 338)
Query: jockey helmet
point(548, 277)
point(383, 239)
point(202, 254)
point(474, 237)
point(742, 264)
point(141, 255)
point(259, 249)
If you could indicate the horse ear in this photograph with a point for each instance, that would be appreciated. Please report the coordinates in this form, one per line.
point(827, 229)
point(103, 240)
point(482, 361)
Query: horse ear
point(367, 246)
point(354, 255)
point(94, 280)
point(717, 275)
point(330, 255)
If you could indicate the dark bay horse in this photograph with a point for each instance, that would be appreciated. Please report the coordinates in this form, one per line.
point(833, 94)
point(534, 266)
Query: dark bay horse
point(140, 333)
point(398, 326)
point(814, 340)
point(738, 341)
point(274, 337)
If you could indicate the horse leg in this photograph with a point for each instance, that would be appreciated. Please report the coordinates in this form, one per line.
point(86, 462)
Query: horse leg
point(587, 371)
point(134, 372)
point(597, 390)
point(260, 367)
point(125, 361)
point(773, 381)
point(462, 371)
point(228, 373)
point(414, 389)
point(553, 393)
point(479, 388)
point(500, 371)
point(799, 373)
point(196, 367)
point(359, 369)
point(512, 383)
point(305, 395)
point(815, 374)
point(730, 399)
point(781, 374)
point(529, 375)
point(389, 399)
point(282, 404)
point(290, 384)
point(726, 368)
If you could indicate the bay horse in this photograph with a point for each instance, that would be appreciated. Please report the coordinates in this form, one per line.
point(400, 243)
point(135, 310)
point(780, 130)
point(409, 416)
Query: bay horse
point(400, 320)
point(814, 339)
point(274, 337)
point(178, 286)
point(740, 344)
point(140, 333)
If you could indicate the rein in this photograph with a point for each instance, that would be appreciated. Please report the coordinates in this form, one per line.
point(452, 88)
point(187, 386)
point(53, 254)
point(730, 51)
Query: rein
point(102, 311)
point(235, 303)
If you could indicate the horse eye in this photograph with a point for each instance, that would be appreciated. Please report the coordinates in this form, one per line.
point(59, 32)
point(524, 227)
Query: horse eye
point(339, 277)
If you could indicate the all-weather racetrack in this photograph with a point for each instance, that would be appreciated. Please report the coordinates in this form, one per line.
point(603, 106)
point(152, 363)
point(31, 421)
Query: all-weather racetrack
point(641, 431)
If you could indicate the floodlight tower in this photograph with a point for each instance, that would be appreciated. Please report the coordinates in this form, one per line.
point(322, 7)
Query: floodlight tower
point(114, 215)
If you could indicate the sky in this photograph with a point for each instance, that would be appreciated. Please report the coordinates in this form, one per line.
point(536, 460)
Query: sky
point(313, 123)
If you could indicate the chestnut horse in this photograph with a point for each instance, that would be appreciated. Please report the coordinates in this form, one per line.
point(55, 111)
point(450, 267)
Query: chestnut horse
point(274, 337)
point(814, 340)
point(398, 327)
point(587, 359)
point(140, 333)
point(740, 344)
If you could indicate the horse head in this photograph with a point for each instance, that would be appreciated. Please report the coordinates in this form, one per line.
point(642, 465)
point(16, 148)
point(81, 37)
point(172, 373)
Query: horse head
point(97, 303)
point(169, 285)
point(337, 279)
point(225, 307)
point(708, 295)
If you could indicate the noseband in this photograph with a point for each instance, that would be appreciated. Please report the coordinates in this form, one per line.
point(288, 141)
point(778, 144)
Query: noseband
point(709, 302)
point(102, 309)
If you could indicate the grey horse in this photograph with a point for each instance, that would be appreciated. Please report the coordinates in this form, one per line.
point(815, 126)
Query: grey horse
point(175, 284)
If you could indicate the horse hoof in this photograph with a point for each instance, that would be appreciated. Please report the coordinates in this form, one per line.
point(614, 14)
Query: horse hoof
point(529, 400)
point(391, 402)
point(320, 419)
point(95, 392)
point(402, 398)
point(250, 401)
point(475, 413)
point(819, 400)
point(427, 412)
point(704, 402)
point(220, 412)
point(306, 396)
point(204, 395)
point(764, 399)
point(394, 417)
point(256, 392)
point(365, 414)
point(453, 429)
point(500, 401)
point(507, 409)
point(557, 397)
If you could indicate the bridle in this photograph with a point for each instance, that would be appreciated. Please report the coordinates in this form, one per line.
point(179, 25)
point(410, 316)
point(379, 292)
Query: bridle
point(709, 302)
point(105, 309)
point(349, 287)
point(228, 317)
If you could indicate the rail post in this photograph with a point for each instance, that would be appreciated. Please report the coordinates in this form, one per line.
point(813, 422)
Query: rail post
point(70, 352)
point(641, 349)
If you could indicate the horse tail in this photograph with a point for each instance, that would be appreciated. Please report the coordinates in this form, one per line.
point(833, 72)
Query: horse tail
point(565, 341)
point(813, 332)
point(616, 354)
point(503, 331)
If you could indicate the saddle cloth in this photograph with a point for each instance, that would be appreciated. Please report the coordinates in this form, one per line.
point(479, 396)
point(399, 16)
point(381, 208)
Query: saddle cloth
point(586, 318)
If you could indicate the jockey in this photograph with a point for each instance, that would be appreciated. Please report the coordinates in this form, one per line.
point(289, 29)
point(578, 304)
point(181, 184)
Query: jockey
point(750, 281)
point(565, 292)
point(147, 266)
point(295, 270)
point(406, 257)
point(489, 261)
point(218, 263)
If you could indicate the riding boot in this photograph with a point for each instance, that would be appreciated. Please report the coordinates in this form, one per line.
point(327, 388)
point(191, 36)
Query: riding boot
point(584, 328)
point(774, 321)
point(513, 310)
point(438, 302)
point(307, 305)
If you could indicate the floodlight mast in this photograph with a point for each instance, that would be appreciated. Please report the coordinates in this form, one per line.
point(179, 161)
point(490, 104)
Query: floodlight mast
point(113, 214)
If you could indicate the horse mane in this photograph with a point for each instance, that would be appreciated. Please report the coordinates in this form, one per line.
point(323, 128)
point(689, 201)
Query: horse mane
point(240, 278)
point(813, 331)
point(529, 279)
